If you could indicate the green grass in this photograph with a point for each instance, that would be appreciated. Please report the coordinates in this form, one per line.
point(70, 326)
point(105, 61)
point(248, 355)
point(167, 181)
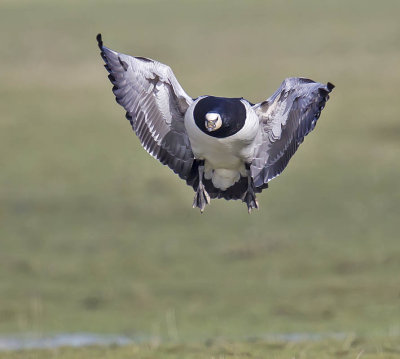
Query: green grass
point(351, 348)
point(95, 235)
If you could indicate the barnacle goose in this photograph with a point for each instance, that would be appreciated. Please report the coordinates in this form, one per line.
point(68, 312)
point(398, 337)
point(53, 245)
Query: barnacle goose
point(222, 147)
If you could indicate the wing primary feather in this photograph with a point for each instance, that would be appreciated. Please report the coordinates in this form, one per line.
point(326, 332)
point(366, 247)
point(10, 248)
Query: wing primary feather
point(99, 41)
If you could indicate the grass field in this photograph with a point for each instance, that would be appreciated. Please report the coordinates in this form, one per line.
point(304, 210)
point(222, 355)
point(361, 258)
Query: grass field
point(97, 236)
point(350, 348)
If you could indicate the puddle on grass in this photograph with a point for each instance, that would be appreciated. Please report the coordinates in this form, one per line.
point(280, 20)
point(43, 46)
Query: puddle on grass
point(34, 341)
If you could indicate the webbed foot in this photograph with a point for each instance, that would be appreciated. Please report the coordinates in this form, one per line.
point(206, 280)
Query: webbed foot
point(201, 198)
point(250, 199)
point(250, 195)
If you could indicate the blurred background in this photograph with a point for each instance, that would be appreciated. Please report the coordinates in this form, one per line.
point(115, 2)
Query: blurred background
point(97, 236)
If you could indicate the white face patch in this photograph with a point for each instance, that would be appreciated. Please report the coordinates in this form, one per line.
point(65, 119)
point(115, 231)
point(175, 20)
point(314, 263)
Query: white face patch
point(213, 121)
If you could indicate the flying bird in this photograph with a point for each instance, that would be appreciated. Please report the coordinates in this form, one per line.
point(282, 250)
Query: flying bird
point(223, 147)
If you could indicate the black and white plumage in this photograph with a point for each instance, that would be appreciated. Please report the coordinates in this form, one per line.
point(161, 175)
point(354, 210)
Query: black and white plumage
point(222, 147)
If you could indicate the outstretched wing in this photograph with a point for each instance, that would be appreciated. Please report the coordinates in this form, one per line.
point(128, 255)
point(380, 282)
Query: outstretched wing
point(155, 105)
point(286, 118)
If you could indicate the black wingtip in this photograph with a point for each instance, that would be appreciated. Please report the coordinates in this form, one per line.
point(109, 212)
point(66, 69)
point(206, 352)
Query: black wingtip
point(99, 41)
point(330, 86)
